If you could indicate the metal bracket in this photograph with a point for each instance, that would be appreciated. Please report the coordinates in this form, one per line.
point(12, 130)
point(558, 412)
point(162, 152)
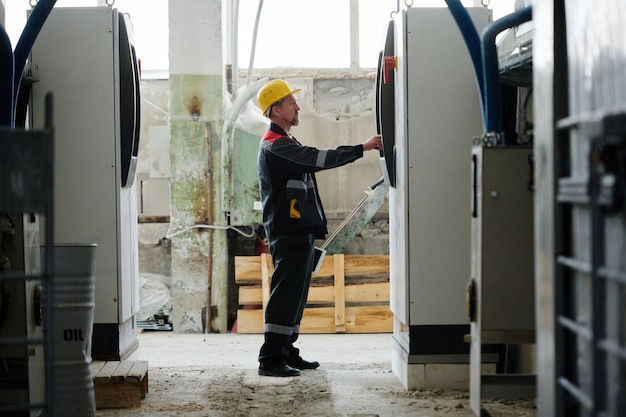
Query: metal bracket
point(608, 162)
point(489, 139)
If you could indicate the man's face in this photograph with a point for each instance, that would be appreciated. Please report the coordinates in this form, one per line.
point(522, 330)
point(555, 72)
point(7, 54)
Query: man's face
point(289, 110)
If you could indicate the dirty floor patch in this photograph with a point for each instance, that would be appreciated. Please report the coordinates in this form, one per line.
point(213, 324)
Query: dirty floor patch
point(350, 390)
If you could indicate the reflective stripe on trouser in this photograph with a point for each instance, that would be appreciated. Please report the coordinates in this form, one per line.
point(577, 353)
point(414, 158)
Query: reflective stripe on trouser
point(292, 256)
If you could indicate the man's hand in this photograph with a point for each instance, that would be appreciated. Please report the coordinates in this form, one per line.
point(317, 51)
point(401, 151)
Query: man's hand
point(373, 143)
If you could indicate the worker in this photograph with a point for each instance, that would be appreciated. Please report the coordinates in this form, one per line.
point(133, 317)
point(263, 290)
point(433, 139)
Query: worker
point(293, 217)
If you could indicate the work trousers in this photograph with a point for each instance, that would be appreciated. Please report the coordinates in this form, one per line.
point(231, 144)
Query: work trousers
point(292, 256)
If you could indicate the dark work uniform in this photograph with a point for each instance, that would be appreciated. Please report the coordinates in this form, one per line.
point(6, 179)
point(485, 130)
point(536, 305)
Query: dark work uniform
point(293, 217)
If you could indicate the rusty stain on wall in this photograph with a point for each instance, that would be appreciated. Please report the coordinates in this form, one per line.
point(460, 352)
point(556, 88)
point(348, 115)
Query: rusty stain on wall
point(194, 107)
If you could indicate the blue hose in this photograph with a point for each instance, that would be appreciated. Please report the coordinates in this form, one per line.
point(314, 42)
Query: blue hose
point(24, 45)
point(472, 40)
point(491, 72)
point(7, 67)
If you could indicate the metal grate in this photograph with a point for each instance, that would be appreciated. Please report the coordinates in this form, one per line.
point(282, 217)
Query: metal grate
point(26, 186)
point(590, 293)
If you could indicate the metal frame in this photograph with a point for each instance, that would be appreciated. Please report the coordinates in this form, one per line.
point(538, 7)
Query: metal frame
point(26, 186)
point(590, 330)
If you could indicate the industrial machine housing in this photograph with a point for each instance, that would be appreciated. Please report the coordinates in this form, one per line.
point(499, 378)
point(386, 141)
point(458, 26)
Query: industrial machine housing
point(94, 78)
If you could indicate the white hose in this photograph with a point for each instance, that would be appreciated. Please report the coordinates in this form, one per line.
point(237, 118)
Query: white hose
point(253, 47)
point(208, 226)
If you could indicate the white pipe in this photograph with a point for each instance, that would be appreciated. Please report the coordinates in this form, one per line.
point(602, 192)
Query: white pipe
point(254, 34)
point(239, 101)
point(235, 45)
point(228, 133)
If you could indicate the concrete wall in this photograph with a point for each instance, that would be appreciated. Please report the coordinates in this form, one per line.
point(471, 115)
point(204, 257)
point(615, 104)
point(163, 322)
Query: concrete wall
point(335, 111)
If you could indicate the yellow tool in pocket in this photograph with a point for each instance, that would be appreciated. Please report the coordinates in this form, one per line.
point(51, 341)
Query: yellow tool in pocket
point(294, 213)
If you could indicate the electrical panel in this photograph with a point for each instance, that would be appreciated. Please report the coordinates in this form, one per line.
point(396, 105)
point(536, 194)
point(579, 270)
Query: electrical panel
point(501, 296)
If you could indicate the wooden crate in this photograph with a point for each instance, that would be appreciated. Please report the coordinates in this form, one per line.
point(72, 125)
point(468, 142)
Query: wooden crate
point(349, 294)
point(119, 384)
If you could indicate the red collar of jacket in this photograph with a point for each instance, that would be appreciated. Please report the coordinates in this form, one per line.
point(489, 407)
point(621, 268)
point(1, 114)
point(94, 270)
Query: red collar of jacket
point(271, 136)
point(275, 132)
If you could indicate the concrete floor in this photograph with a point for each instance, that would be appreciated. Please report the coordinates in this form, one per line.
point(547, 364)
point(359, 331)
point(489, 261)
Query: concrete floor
point(216, 375)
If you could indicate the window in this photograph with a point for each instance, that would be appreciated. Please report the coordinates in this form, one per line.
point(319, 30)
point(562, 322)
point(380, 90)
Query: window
point(306, 34)
point(373, 18)
point(295, 33)
point(150, 26)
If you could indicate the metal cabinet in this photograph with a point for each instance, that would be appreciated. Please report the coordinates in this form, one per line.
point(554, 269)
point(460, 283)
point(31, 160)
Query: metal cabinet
point(501, 292)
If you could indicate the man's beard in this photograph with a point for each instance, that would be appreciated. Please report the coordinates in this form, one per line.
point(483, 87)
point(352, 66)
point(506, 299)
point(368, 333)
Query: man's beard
point(295, 121)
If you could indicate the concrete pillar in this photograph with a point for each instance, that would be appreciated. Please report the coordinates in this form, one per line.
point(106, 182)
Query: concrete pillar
point(199, 255)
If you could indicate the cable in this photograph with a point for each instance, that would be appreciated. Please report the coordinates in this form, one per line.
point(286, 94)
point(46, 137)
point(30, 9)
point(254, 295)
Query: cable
point(208, 226)
point(25, 43)
point(491, 75)
point(472, 41)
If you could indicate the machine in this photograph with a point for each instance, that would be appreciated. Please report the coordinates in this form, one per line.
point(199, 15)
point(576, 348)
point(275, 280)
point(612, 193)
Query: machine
point(428, 112)
point(86, 58)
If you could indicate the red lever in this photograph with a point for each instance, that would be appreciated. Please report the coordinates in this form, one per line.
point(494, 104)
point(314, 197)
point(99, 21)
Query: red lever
point(389, 63)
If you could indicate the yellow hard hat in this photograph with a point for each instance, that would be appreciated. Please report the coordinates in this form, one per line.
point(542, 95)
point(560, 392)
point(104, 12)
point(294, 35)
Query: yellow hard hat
point(273, 91)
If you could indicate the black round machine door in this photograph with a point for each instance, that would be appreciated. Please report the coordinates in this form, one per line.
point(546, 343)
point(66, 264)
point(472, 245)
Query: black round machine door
point(129, 103)
point(386, 103)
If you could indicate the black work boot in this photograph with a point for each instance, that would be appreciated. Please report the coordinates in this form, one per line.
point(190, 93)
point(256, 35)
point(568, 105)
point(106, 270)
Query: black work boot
point(272, 357)
point(277, 369)
point(293, 356)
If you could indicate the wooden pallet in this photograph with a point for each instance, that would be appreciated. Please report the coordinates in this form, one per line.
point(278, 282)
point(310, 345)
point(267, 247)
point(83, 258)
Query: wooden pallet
point(349, 294)
point(119, 384)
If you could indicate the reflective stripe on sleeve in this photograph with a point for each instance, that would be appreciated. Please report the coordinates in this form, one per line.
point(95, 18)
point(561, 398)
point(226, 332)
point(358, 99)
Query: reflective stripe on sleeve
point(321, 158)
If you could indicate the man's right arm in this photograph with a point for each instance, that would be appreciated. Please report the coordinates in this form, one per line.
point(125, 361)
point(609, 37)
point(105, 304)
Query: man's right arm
point(294, 157)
